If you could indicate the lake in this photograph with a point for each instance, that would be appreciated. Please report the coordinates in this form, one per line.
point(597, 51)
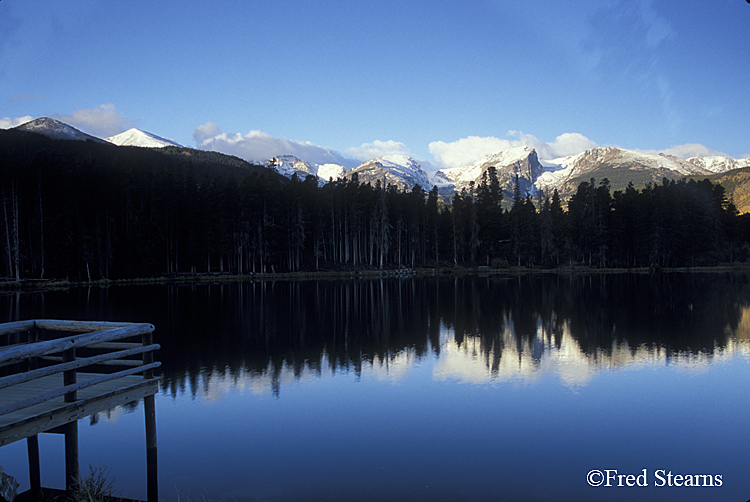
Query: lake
point(533, 387)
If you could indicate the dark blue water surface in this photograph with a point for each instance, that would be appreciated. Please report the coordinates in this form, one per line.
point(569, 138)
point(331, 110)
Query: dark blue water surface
point(427, 389)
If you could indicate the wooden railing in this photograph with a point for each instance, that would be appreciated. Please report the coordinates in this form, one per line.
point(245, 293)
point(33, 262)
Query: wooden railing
point(49, 381)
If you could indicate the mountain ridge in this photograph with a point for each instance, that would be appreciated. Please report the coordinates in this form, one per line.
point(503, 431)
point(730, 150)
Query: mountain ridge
point(535, 177)
point(56, 130)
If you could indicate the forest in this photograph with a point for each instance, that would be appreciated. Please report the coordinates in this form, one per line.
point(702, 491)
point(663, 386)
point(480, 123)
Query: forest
point(85, 211)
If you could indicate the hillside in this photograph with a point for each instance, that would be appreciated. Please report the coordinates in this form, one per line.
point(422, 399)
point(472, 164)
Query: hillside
point(23, 148)
point(737, 186)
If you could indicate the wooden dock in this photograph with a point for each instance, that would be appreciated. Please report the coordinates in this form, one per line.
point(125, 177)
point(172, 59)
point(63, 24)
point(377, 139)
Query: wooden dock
point(53, 373)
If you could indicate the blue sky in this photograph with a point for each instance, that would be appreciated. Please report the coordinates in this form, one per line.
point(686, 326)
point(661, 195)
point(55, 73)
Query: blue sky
point(444, 81)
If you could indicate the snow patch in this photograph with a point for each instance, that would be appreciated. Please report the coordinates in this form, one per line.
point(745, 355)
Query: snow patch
point(136, 137)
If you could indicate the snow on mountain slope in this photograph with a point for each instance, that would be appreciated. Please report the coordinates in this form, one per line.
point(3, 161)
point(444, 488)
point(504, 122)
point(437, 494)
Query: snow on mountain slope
point(397, 169)
point(288, 165)
point(56, 130)
point(719, 163)
point(560, 171)
point(514, 163)
point(463, 175)
point(404, 172)
point(444, 185)
point(136, 137)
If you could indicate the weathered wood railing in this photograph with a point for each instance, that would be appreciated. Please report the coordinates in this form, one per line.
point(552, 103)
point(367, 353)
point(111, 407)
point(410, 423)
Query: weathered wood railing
point(43, 387)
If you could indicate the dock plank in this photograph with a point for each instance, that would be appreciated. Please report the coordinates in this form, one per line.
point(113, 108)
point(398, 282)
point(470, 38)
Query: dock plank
point(51, 398)
point(54, 412)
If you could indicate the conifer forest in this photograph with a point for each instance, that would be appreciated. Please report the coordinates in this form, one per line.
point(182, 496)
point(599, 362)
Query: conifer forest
point(87, 211)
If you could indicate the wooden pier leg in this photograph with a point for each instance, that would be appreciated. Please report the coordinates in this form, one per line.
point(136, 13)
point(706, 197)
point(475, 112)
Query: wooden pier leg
point(72, 472)
point(69, 377)
point(35, 472)
point(152, 480)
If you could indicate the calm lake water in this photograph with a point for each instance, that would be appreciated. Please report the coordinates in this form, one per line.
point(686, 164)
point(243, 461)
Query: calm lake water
point(481, 388)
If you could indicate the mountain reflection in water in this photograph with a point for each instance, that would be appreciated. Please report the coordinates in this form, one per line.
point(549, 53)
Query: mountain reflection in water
point(372, 389)
point(480, 330)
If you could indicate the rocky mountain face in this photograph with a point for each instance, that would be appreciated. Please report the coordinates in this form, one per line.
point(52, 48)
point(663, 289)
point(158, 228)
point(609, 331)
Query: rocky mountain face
point(289, 165)
point(56, 130)
point(398, 170)
point(521, 162)
point(618, 165)
point(622, 166)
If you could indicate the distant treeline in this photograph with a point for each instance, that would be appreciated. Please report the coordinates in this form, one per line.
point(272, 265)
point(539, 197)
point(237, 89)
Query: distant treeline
point(86, 211)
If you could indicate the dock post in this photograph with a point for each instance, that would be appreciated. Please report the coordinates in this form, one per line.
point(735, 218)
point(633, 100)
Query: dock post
point(32, 442)
point(149, 410)
point(152, 479)
point(71, 455)
point(35, 473)
point(72, 469)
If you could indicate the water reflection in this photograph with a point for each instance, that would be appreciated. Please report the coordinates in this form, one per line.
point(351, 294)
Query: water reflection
point(480, 330)
point(367, 390)
point(261, 336)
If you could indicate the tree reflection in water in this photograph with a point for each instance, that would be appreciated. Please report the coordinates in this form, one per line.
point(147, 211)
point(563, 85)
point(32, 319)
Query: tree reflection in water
point(267, 329)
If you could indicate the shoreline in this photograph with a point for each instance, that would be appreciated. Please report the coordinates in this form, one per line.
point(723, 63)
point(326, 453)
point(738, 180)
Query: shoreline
point(28, 285)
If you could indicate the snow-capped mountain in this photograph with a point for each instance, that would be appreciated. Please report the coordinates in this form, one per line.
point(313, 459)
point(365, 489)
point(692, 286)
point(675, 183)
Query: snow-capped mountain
point(719, 163)
point(288, 165)
point(398, 170)
point(136, 137)
point(521, 162)
point(622, 164)
point(618, 165)
point(56, 130)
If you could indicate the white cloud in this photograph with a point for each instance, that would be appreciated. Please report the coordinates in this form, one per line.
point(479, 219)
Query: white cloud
point(569, 143)
point(103, 121)
point(259, 146)
point(688, 150)
point(379, 148)
point(205, 132)
point(7, 122)
point(466, 151)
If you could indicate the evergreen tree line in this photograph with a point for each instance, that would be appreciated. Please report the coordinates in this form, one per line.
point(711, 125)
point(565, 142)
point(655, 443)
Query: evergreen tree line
point(85, 211)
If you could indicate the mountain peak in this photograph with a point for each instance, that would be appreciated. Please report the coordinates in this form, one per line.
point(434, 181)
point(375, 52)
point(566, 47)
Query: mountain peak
point(55, 129)
point(398, 158)
point(137, 137)
point(516, 162)
point(396, 169)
